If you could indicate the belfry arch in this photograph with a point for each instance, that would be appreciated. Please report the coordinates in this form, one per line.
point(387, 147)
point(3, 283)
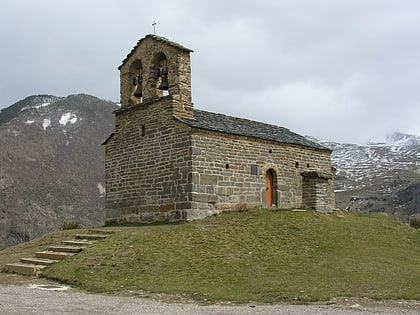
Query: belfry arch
point(136, 79)
point(160, 74)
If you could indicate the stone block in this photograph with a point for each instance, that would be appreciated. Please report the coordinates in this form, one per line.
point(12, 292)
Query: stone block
point(201, 189)
point(166, 207)
point(253, 199)
point(22, 269)
point(208, 179)
point(204, 197)
point(193, 177)
point(52, 255)
point(182, 205)
point(221, 191)
point(234, 199)
point(209, 190)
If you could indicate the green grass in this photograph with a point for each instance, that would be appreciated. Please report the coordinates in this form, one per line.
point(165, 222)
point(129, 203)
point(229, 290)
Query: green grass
point(257, 255)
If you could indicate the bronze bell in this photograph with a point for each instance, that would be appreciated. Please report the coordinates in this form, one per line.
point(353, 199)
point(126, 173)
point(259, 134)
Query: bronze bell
point(138, 92)
point(164, 83)
point(138, 81)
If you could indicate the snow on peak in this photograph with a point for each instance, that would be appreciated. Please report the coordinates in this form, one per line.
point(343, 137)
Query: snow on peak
point(46, 123)
point(401, 139)
point(40, 101)
point(68, 118)
point(395, 139)
point(42, 105)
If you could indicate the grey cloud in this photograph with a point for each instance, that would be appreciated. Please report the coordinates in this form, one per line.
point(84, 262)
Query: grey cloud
point(342, 70)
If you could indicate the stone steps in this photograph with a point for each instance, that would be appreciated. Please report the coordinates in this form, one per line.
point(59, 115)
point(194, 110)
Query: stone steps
point(77, 243)
point(47, 254)
point(105, 232)
point(33, 266)
point(38, 261)
point(24, 269)
point(66, 249)
point(91, 236)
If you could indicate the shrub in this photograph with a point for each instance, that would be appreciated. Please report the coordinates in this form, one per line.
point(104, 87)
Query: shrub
point(242, 207)
point(70, 225)
point(415, 222)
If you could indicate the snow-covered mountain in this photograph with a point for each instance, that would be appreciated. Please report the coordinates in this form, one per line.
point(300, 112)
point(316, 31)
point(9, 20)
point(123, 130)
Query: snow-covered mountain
point(51, 164)
point(370, 177)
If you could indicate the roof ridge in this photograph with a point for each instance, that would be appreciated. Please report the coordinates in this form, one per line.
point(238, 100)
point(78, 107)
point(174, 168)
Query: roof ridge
point(169, 42)
point(157, 38)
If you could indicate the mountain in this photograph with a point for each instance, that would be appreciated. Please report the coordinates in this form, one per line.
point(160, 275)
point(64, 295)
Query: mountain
point(381, 176)
point(52, 164)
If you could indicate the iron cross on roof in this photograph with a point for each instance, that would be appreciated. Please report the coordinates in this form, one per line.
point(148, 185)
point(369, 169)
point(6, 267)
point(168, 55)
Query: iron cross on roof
point(154, 27)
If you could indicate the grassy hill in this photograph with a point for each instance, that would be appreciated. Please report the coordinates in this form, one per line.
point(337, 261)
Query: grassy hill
point(257, 255)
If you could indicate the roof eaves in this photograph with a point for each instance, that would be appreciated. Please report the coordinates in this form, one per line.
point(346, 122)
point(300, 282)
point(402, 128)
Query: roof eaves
point(108, 139)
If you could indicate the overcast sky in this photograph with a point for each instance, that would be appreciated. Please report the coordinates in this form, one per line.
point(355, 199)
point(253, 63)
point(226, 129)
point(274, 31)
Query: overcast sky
point(343, 70)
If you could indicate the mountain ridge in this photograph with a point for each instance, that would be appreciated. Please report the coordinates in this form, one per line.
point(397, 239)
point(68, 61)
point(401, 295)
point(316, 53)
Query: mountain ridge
point(378, 176)
point(52, 164)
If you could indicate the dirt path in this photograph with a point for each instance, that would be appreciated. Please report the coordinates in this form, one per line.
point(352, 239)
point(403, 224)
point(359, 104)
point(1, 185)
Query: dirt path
point(18, 297)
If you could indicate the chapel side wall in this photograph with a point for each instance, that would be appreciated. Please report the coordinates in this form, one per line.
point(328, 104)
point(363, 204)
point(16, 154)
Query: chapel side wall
point(221, 171)
point(147, 163)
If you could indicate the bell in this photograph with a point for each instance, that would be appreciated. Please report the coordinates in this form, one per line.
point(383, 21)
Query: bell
point(139, 92)
point(164, 83)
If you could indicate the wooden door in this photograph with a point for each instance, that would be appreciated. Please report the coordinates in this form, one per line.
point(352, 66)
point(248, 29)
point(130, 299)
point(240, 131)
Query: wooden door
point(269, 188)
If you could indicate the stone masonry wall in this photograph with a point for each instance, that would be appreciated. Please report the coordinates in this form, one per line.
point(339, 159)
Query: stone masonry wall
point(317, 191)
point(179, 76)
point(222, 176)
point(147, 163)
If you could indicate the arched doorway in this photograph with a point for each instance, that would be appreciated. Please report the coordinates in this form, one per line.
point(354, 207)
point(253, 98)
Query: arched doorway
point(269, 188)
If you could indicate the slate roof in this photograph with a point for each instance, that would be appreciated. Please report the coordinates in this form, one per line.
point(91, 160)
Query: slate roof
point(248, 128)
point(157, 38)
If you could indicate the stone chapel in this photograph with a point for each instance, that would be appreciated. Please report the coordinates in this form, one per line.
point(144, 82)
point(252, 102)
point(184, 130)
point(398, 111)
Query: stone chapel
point(167, 161)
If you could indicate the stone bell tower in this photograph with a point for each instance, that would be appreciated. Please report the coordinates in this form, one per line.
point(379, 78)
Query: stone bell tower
point(148, 157)
point(155, 68)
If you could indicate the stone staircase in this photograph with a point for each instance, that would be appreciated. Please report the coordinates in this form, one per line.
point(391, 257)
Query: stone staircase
point(33, 266)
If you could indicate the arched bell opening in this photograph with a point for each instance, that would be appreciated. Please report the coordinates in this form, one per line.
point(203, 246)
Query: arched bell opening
point(136, 81)
point(160, 74)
